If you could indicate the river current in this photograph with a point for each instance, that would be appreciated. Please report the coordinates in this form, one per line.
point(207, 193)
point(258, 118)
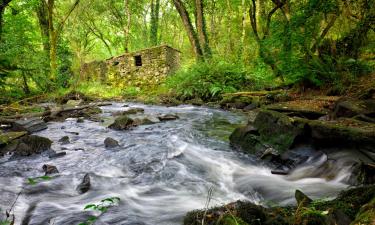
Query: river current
point(160, 171)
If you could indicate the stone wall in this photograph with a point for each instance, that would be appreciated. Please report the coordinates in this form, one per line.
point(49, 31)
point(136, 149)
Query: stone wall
point(144, 67)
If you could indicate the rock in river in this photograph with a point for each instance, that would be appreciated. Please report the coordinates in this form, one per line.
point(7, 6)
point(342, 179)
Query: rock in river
point(85, 185)
point(110, 143)
point(49, 169)
point(122, 123)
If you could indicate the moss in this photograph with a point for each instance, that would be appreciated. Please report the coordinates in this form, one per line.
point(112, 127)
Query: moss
point(229, 219)
point(8, 137)
point(310, 216)
point(349, 201)
point(122, 123)
point(366, 215)
point(276, 129)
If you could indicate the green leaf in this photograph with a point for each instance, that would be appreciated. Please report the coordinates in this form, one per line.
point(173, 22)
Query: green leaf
point(90, 206)
point(31, 181)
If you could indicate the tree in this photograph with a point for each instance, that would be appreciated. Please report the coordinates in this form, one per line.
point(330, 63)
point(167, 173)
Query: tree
point(155, 9)
point(127, 26)
point(192, 34)
point(54, 34)
point(201, 28)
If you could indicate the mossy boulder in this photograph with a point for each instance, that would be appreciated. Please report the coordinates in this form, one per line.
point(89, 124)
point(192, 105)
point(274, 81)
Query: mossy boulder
point(343, 132)
point(122, 123)
point(277, 129)
point(270, 129)
point(28, 145)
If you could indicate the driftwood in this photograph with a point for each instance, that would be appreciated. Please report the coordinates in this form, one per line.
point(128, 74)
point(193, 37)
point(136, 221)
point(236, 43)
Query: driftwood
point(12, 119)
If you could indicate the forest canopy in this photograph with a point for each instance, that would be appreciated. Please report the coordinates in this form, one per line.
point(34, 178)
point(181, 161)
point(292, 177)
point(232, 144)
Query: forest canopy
point(226, 45)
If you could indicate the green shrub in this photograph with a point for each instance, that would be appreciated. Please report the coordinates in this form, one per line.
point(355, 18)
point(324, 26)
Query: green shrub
point(208, 80)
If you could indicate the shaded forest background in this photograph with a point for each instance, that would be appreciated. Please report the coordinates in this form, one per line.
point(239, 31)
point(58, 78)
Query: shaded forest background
point(227, 45)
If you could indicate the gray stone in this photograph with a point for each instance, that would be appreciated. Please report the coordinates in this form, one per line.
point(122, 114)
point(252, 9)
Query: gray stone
point(85, 185)
point(122, 123)
point(110, 143)
point(49, 169)
point(168, 117)
point(64, 140)
point(30, 125)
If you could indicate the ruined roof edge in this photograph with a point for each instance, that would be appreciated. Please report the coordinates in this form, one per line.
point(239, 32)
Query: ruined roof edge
point(145, 49)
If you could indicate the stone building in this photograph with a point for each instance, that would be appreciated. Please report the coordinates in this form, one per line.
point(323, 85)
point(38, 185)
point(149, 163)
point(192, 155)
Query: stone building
point(143, 67)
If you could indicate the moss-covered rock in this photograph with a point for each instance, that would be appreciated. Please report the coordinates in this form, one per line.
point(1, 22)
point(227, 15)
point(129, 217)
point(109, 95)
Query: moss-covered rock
point(277, 129)
point(122, 123)
point(356, 204)
point(28, 145)
point(366, 214)
point(343, 132)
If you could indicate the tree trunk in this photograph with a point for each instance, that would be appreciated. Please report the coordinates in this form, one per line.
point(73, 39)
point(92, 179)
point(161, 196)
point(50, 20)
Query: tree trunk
point(201, 28)
point(193, 37)
point(155, 8)
point(53, 41)
point(128, 24)
point(54, 35)
point(26, 88)
point(42, 14)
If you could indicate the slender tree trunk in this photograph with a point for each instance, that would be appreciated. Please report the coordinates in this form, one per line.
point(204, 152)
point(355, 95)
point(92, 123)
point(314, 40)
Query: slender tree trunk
point(53, 41)
point(243, 27)
point(26, 88)
point(128, 24)
point(201, 28)
point(155, 8)
point(193, 37)
point(54, 35)
point(42, 14)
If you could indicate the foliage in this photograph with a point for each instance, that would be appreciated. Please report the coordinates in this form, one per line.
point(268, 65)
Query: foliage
point(208, 80)
point(102, 207)
point(36, 180)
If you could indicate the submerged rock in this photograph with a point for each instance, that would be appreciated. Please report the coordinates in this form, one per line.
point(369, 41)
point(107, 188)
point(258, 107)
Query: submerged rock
point(49, 169)
point(122, 123)
point(168, 117)
point(85, 185)
point(110, 143)
point(128, 112)
point(64, 140)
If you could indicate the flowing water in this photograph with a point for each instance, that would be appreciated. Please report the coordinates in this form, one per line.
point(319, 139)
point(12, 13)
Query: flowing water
point(160, 171)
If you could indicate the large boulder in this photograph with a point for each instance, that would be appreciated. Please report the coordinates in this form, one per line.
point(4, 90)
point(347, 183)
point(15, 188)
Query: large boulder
point(277, 129)
point(270, 129)
point(122, 123)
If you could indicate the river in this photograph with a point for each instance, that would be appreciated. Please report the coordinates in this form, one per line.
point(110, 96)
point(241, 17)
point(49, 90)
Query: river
point(160, 171)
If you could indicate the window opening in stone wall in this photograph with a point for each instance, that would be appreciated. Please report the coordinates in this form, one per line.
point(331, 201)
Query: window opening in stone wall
point(115, 63)
point(138, 60)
